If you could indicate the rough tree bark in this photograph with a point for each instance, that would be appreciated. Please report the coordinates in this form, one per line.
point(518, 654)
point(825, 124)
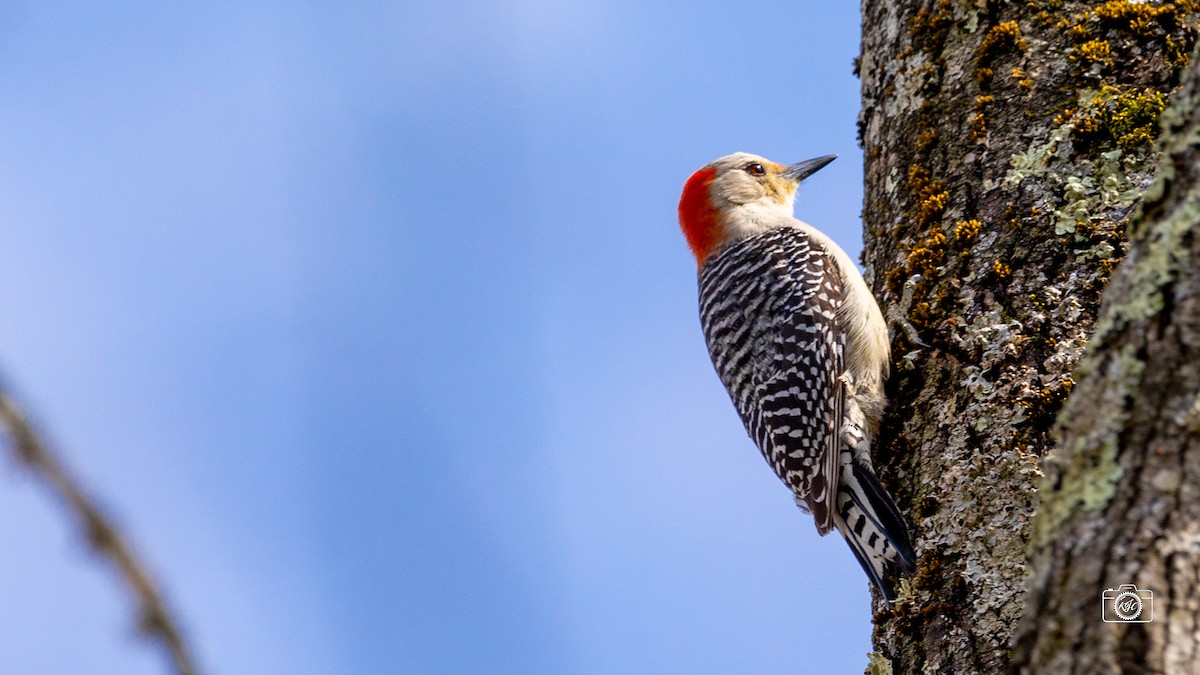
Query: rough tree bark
point(1006, 144)
point(1121, 499)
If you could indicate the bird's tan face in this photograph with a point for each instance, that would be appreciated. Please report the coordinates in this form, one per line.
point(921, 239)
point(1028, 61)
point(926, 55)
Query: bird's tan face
point(742, 178)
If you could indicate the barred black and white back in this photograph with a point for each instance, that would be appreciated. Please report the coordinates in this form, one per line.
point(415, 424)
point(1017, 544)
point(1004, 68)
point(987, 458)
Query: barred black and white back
point(774, 309)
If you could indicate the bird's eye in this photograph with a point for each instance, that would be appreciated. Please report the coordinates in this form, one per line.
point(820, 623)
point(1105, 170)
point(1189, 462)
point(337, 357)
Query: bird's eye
point(755, 169)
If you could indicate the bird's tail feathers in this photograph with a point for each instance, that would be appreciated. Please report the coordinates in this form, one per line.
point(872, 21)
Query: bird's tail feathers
point(874, 528)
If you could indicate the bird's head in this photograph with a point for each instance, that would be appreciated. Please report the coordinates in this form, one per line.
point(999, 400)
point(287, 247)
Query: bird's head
point(737, 196)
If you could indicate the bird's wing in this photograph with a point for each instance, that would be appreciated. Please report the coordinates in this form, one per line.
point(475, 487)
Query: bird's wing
point(798, 369)
point(768, 306)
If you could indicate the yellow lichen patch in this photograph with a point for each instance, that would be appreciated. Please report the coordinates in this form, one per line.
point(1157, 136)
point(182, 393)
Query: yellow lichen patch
point(1127, 118)
point(1134, 118)
point(1023, 79)
point(930, 193)
point(926, 139)
point(928, 255)
point(979, 126)
point(1079, 31)
point(922, 315)
point(894, 278)
point(965, 231)
point(932, 206)
point(1139, 18)
point(1001, 38)
point(1177, 53)
point(1001, 270)
point(1094, 51)
point(1116, 31)
point(979, 120)
point(926, 245)
point(933, 24)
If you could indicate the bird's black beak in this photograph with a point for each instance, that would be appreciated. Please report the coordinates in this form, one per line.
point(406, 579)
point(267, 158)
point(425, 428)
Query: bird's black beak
point(808, 167)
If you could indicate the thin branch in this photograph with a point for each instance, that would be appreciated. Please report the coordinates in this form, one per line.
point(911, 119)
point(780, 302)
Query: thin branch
point(155, 621)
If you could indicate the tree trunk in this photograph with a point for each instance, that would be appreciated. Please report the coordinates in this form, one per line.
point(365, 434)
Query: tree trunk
point(1121, 499)
point(1005, 146)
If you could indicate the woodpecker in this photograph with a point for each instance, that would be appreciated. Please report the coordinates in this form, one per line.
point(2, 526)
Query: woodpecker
point(801, 346)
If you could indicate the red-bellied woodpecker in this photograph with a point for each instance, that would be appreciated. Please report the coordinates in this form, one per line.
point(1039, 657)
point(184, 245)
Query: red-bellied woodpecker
point(797, 339)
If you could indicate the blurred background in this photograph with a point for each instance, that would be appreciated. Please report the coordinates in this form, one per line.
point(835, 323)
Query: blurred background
point(374, 329)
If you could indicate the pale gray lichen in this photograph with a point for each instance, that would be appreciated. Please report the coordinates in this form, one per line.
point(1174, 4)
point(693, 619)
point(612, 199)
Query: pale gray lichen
point(1077, 206)
point(1035, 161)
point(878, 664)
point(992, 336)
point(1154, 268)
point(1084, 472)
point(1092, 189)
point(911, 78)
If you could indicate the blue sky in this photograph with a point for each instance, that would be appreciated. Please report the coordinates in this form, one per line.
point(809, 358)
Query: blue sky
point(374, 326)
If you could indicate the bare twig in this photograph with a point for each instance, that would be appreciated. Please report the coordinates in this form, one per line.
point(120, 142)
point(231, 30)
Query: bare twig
point(155, 621)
